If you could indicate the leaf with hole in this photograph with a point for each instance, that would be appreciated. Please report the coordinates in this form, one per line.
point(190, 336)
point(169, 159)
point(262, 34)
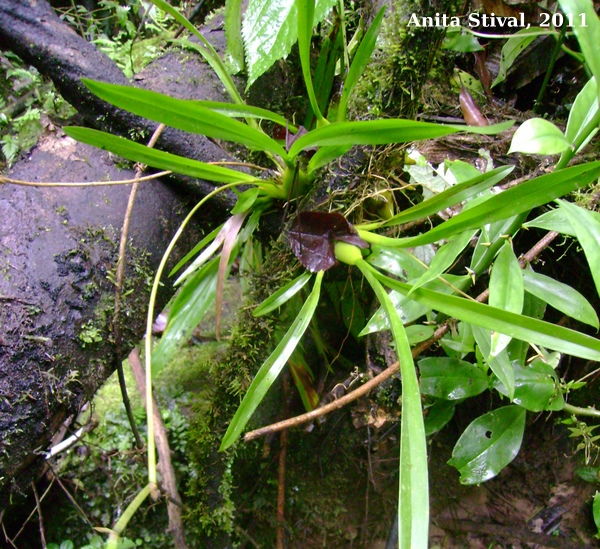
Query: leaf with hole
point(489, 444)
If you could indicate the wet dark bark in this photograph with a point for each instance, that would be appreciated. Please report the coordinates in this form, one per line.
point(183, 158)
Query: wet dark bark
point(58, 246)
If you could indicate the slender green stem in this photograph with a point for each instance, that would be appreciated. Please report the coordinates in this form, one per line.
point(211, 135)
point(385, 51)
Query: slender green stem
point(557, 47)
point(113, 538)
point(581, 137)
point(150, 321)
point(577, 411)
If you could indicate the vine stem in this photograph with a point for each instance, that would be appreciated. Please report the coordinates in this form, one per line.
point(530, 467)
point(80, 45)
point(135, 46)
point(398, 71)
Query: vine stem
point(391, 370)
point(578, 411)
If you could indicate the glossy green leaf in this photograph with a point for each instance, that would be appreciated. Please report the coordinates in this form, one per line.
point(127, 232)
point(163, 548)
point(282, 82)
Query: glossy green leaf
point(438, 415)
point(234, 110)
point(325, 155)
point(184, 114)
point(155, 158)
point(586, 225)
point(553, 220)
point(381, 132)
point(536, 387)
point(587, 30)
point(583, 111)
point(489, 444)
point(271, 368)
point(205, 49)
point(560, 296)
point(281, 296)
point(444, 258)
point(499, 364)
point(450, 378)
point(413, 503)
point(506, 291)
point(522, 198)
point(535, 308)
point(188, 309)
point(450, 197)
point(270, 29)
point(513, 47)
point(539, 136)
point(524, 328)
point(245, 201)
point(234, 54)
point(397, 261)
point(596, 510)
point(359, 63)
point(418, 332)
point(458, 39)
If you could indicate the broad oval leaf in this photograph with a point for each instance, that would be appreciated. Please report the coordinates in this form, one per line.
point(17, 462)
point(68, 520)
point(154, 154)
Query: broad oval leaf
point(438, 415)
point(539, 136)
point(560, 296)
point(489, 444)
point(282, 295)
point(536, 387)
point(499, 364)
point(450, 378)
point(553, 220)
point(271, 368)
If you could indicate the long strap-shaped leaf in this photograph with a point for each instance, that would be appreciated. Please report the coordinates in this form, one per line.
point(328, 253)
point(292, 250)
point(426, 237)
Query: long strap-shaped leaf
point(413, 502)
point(183, 114)
point(520, 327)
point(381, 132)
point(155, 158)
point(272, 366)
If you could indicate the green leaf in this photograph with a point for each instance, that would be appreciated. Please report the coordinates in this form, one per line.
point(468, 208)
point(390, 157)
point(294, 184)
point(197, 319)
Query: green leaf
point(583, 111)
point(157, 159)
point(596, 510)
point(499, 364)
point(281, 296)
point(461, 41)
point(418, 332)
point(438, 416)
point(513, 47)
point(271, 368)
point(245, 201)
point(397, 261)
point(325, 155)
point(208, 238)
point(270, 30)
point(521, 327)
point(444, 258)
point(536, 387)
point(450, 197)
point(562, 297)
point(531, 194)
point(587, 31)
point(586, 225)
point(233, 33)
point(450, 378)
point(413, 504)
point(359, 63)
point(381, 132)
point(184, 114)
point(553, 220)
point(539, 136)
point(188, 309)
point(489, 444)
point(506, 291)
point(234, 110)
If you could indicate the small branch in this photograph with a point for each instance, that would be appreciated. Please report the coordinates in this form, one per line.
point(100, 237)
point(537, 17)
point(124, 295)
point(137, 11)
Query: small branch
point(22, 183)
point(119, 289)
point(391, 370)
point(72, 440)
point(165, 466)
point(577, 411)
point(39, 512)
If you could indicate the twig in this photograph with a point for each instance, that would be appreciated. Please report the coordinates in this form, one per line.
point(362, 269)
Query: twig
point(22, 183)
point(73, 439)
point(165, 465)
point(56, 478)
point(39, 512)
point(391, 370)
point(6, 538)
point(33, 511)
point(119, 289)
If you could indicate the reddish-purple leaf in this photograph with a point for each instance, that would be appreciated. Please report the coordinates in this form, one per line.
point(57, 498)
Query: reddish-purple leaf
point(313, 238)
